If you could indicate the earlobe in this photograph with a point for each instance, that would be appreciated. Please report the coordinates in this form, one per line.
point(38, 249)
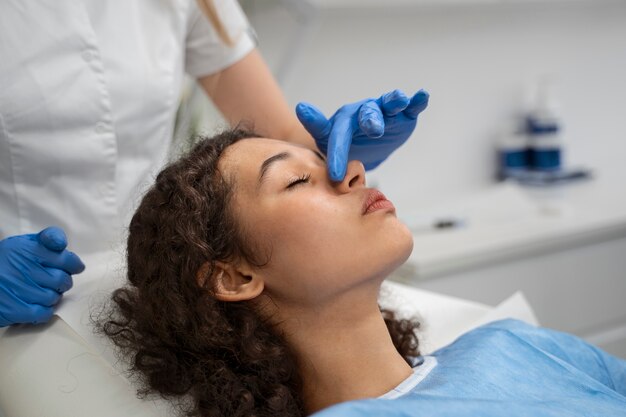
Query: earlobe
point(230, 284)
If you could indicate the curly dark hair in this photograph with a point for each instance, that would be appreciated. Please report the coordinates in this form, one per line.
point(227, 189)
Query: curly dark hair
point(211, 358)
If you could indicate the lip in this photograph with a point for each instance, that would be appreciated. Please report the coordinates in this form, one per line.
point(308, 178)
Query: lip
point(374, 201)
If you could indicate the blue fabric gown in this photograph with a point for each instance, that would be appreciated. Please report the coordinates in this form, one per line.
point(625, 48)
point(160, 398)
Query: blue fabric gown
point(506, 368)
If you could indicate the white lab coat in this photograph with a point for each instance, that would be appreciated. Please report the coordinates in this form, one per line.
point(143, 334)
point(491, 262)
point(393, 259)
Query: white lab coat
point(88, 95)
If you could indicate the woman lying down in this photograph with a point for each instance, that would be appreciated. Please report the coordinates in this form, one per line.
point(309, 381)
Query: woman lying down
point(252, 291)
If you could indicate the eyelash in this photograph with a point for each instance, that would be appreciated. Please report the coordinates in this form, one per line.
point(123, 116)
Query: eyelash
point(300, 180)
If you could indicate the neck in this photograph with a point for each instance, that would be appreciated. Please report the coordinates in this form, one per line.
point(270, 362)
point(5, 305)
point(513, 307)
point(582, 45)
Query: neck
point(344, 352)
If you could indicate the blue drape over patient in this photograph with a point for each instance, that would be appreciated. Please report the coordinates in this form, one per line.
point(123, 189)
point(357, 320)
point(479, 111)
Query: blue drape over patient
point(508, 368)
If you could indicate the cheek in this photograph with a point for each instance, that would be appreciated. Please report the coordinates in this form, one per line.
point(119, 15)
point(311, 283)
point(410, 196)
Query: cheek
point(301, 227)
point(302, 232)
point(322, 236)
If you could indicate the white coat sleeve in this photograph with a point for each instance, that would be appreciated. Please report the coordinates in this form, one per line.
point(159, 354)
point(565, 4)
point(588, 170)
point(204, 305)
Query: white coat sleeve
point(205, 52)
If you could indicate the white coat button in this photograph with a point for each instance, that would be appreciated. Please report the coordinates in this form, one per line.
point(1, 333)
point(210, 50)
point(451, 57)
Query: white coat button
point(87, 55)
point(101, 127)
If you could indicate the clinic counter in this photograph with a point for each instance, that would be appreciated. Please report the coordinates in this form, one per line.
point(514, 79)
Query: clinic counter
point(509, 221)
point(563, 246)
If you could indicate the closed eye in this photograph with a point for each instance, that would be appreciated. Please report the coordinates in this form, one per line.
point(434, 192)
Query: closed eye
point(297, 181)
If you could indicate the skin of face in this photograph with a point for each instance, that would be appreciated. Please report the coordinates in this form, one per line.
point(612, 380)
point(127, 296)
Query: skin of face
point(319, 243)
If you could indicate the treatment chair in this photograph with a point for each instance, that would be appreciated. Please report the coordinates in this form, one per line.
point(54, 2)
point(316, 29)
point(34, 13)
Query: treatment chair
point(61, 369)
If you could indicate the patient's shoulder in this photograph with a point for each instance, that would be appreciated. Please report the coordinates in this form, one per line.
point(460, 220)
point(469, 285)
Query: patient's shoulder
point(510, 325)
point(553, 343)
point(508, 328)
point(540, 337)
point(521, 337)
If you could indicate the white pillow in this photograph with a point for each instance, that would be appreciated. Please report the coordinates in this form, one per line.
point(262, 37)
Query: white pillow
point(444, 318)
point(48, 370)
point(51, 370)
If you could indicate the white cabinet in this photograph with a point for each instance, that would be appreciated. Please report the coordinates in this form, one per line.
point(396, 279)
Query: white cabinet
point(571, 266)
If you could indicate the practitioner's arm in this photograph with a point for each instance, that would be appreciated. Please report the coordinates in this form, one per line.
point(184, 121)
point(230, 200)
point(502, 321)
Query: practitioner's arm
point(247, 91)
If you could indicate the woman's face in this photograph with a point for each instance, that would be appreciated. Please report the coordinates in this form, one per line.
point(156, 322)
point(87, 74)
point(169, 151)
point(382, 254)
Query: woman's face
point(322, 238)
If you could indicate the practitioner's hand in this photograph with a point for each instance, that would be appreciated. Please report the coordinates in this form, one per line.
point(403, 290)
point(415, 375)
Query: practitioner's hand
point(368, 130)
point(35, 270)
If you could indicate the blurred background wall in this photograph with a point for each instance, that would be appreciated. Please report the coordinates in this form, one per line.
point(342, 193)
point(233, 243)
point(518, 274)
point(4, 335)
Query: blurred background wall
point(478, 59)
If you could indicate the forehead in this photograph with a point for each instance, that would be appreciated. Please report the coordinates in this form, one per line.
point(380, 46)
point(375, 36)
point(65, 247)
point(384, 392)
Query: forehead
point(246, 156)
point(252, 148)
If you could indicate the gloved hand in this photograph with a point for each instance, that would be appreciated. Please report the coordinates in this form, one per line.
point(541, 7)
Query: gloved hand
point(368, 130)
point(35, 270)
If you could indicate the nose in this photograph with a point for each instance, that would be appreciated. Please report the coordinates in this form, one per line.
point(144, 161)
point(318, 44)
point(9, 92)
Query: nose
point(355, 177)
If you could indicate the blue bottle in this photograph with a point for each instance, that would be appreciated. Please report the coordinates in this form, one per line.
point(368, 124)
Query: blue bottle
point(544, 132)
point(513, 153)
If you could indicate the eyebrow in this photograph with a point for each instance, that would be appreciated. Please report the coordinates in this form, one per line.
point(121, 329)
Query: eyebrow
point(265, 166)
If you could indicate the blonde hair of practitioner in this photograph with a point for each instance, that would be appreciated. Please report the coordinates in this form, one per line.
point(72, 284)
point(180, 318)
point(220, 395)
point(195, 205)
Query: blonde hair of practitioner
point(210, 11)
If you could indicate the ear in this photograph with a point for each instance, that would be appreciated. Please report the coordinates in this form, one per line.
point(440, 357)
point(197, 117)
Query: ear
point(231, 283)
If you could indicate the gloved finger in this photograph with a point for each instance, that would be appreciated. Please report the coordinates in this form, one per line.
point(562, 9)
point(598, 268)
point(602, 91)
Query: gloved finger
point(53, 238)
point(4, 321)
point(28, 291)
point(418, 103)
point(313, 120)
point(339, 143)
point(66, 260)
point(393, 102)
point(371, 119)
point(53, 279)
point(18, 311)
point(39, 314)
point(25, 286)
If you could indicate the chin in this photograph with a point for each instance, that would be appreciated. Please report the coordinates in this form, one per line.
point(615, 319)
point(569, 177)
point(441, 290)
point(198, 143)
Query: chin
point(399, 249)
point(405, 242)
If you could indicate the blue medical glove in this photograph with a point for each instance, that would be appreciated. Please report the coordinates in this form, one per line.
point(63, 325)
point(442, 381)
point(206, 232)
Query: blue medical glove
point(368, 130)
point(35, 270)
